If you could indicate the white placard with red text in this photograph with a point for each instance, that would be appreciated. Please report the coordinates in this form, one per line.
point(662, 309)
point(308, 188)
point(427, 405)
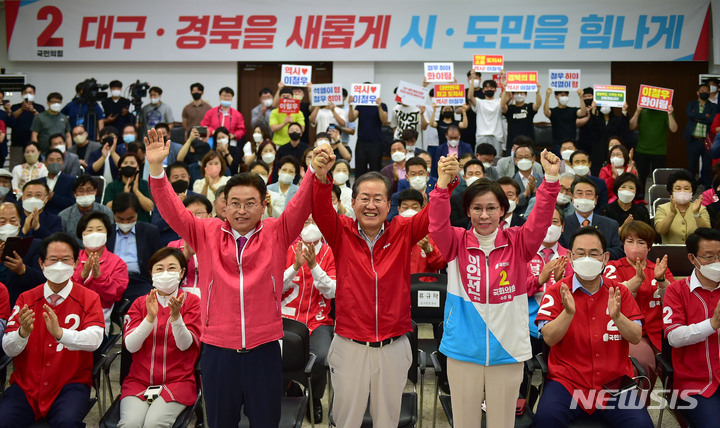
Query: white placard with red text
point(412, 95)
point(364, 94)
point(296, 75)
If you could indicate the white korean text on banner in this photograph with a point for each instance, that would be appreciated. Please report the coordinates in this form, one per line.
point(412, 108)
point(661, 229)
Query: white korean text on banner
point(373, 30)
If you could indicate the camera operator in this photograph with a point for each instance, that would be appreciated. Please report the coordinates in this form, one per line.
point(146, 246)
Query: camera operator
point(157, 111)
point(117, 107)
point(86, 93)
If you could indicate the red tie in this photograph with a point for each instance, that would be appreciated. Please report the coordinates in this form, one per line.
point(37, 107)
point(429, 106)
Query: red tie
point(54, 299)
point(586, 222)
point(547, 254)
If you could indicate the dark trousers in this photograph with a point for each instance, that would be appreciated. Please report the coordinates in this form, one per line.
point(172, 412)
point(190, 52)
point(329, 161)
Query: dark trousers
point(646, 163)
point(367, 153)
point(554, 410)
point(320, 340)
point(252, 379)
point(706, 413)
point(696, 150)
point(68, 410)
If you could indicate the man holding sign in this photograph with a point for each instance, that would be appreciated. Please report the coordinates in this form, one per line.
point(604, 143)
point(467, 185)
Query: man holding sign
point(282, 117)
point(700, 113)
point(489, 118)
point(322, 117)
point(653, 126)
point(519, 114)
point(369, 129)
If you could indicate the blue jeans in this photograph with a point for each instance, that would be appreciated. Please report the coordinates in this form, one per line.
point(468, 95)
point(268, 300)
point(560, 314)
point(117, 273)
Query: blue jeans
point(707, 412)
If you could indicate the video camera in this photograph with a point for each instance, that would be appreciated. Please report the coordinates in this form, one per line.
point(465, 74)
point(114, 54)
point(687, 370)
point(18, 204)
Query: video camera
point(92, 91)
point(138, 91)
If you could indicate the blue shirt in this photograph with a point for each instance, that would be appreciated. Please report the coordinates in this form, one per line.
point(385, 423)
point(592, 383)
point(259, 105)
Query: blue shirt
point(581, 219)
point(77, 111)
point(126, 249)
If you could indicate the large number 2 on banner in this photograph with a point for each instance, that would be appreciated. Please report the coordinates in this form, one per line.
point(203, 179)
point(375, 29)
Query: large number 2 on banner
point(46, 39)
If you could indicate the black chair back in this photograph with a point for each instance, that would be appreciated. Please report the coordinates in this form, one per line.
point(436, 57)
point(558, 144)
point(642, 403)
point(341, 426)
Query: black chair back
point(427, 299)
point(295, 346)
point(678, 262)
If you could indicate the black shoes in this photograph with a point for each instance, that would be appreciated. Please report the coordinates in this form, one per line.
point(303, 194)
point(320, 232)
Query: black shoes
point(317, 411)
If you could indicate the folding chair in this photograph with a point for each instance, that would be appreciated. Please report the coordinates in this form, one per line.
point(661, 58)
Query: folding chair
point(664, 358)
point(297, 368)
point(100, 184)
point(655, 204)
point(427, 303)
point(661, 175)
point(657, 191)
point(678, 261)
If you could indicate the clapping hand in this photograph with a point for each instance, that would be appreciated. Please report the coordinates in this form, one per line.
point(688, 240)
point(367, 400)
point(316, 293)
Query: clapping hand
point(175, 306)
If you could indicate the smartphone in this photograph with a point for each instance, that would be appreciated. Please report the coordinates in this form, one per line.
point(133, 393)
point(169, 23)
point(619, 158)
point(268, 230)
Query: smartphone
point(202, 130)
point(617, 386)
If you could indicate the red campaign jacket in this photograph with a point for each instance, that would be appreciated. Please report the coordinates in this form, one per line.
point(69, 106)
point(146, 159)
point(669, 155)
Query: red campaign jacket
point(421, 262)
point(45, 366)
point(372, 301)
point(304, 302)
point(113, 279)
point(159, 361)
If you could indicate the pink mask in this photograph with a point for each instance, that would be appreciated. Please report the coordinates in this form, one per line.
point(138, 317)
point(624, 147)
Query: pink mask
point(212, 170)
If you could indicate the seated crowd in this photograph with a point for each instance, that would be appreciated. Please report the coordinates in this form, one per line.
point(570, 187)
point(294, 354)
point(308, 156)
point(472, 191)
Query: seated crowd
point(95, 215)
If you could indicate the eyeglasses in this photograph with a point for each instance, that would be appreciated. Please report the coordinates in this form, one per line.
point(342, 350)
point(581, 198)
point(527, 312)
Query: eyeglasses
point(709, 258)
point(249, 206)
point(52, 260)
point(376, 201)
point(477, 210)
point(199, 213)
point(592, 254)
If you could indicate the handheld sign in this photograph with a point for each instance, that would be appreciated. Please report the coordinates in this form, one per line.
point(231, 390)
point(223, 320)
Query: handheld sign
point(655, 98)
point(449, 95)
point(288, 105)
point(439, 72)
point(325, 94)
point(564, 80)
point(296, 75)
point(412, 95)
point(522, 81)
point(364, 94)
point(609, 95)
point(491, 63)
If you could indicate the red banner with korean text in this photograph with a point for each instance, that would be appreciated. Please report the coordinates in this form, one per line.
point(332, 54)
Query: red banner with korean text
point(655, 98)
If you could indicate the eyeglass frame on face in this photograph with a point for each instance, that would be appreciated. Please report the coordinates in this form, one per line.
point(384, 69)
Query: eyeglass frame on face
point(574, 255)
point(364, 200)
point(707, 258)
point(52, 260)
point(479, 209)
point(247, 206)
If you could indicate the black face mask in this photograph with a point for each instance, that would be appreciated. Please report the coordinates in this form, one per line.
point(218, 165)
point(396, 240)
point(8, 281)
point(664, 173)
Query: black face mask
point(704, 96)
point(588, 102)
point(180, 186)
point(128, 171)
point(196, 95)
point(294, 136)
point(447, 114)
point(489, 93)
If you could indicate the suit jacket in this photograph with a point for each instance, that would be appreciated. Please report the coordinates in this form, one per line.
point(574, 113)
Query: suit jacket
point(63, 196)
point(91, 147)
point(695, 117)
point(607, 226)
point(602, 192)
point(147, 241)
point(506, 167)
point(166, 233)
point(49, 224)
point(443, 150)
point(72, 164)
point(538, 181)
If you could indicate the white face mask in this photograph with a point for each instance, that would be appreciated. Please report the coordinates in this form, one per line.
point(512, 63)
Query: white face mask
point(222, 141)
point(470, 180)
point(126, 227)
point(476, 83)
point(154, 100)
point(453, 143)
point(487, 164)
point(29, 97)
point(267, 102)
point(30, 204)
point(59, 272)
point(56, 107)
point(268, 157)
point(95, 240)
point(711, 271)
point(61, 147)
point(566, 154)
point(285, 178)
point(408, 213)
point(563, 199)
point(8, 231)
point(519, 98)
point(713, 88)
point(626, 196)
point(336, 206)
point(79, 139)
point(617, 162)
point(340, 178)
point(563, 100)
point(85, 200)
point(513, 205)
point(116, 93)
point(584, 205)
point(587, 268)
point(166, 282)
point(682, 198)
point(398, 157)
point(605, 109)
point(257, 137)
point(310, 233)
point(418, 183)
point(553, 234)
point(581, 170)
point(524, 164)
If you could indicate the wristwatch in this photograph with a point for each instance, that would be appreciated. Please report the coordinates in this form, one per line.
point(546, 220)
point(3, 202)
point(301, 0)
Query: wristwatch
point(661, 279)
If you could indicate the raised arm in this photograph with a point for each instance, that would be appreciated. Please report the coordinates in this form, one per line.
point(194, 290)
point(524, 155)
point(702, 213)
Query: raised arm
point(546, 106)
point(441, 231)
point(327, 220)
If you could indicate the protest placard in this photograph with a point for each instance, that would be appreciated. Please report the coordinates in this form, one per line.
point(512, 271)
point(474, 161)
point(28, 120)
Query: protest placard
point(522, 81)
point(564, 80)
point(655, 98)
point(449, 95)
point(609, 95)
point(364, 94)
point(412, 95)
point(326, 93)
point(488, 63)
point(296, 75)
point(439, 72)
point(288, 105)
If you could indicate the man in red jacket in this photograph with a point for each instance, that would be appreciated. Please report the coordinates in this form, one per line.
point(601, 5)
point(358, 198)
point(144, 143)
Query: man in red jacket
point(370, 354)
point(240, 295)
